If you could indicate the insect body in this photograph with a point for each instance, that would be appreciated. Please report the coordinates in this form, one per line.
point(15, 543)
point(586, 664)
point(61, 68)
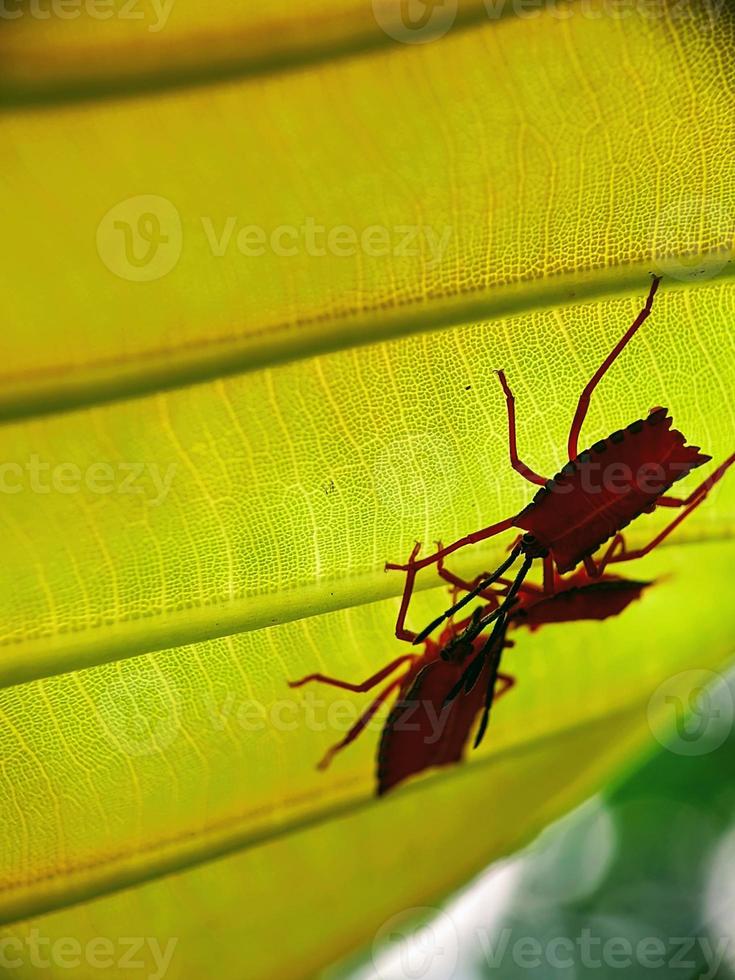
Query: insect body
point(431, 724)
point(420, 731)
point(590, 502)
point(584, 505)
point(426, 728)
point(576, 598)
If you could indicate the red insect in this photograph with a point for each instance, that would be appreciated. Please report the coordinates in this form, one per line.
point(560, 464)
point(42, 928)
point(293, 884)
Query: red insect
point(426, 728)
point(435, 734)
point(594, 497)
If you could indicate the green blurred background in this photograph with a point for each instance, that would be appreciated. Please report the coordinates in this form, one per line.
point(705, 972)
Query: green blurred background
point(638, 881)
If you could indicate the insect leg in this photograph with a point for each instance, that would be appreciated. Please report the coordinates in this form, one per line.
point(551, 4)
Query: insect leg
point(508, 682)
point(359, 725)
point(549, 578)
point(595, 569)
point(701, 491)
point(410, 569)
point(367, 685)
point(640, 552)
point(698, 496)
point(473, 538)
point(584, 398)
point(515, 462)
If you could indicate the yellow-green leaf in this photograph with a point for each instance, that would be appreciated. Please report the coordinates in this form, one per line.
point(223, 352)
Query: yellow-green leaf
point(174, 552)
point(562, 157)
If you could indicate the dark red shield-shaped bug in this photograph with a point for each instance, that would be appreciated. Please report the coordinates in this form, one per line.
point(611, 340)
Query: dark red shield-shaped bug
point(578, 597)
point(427, 728)
point(435, 734)
point(594, 497)
point(432, 721)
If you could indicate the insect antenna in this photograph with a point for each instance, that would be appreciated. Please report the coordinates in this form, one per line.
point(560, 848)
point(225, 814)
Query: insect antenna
point(472, 595)
point(473, 671)
point(500, 617)
point(495, 645)
point(478, 624)
point(509, 600)
point(496, 656)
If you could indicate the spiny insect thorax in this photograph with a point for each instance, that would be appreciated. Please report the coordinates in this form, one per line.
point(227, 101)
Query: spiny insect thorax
point(606, 487)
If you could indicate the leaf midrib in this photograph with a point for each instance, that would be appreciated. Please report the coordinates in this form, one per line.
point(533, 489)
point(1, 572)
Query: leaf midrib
point(151, 372)
point(22, 663)
point(273, 60)
point(192, 849)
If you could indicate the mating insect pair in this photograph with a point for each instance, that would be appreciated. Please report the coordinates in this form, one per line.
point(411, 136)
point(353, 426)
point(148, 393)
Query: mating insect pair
point(435, 711)
point(595, 496)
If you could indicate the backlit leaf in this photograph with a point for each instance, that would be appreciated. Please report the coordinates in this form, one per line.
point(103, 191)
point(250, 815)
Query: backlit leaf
point(174, 552)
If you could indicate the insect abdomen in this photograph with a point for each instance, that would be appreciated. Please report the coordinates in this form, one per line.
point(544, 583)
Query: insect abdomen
point(600, 599)
point(606, 487)
point(421, 731)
